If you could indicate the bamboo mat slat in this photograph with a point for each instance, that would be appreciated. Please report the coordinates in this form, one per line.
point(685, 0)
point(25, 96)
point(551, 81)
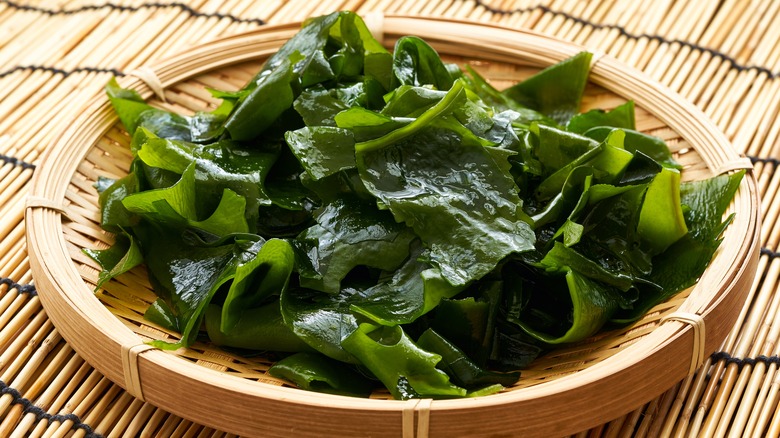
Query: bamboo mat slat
point(55, 56)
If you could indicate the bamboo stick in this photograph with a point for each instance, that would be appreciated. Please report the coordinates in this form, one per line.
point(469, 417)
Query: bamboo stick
point(756, 141)
point(13, 260)
point(28, 328)
point(629, 422)
point(588, 11)
point(653, 425)
point(56, 377)
point(10, 421)
point(771, 183)
point(23, 427)
point(37, 330)
point(157, 418)
point(24, 379)
point(757, 426)
point(112, 412)
point(716, 403)
point(75, 399)
point(138, 421)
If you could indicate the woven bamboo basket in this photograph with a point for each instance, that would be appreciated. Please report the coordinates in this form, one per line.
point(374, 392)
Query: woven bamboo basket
point(563, 392)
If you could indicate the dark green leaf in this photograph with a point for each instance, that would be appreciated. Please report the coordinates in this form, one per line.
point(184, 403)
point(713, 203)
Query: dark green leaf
point(683, 262)
point(320, 319)
point(586, 308)
point(263, 105)
point(640, 170)
point(493, 97)
point(319, 373)
point(558, 149)
point(186, 277)
point(121, 257)
point(564, 202)
point(176, 206)
point(265, 274)
point(707, 201)
point(113, 214)
point(259, 328)
point(367, 125)
point(610, 233)
point(446, 105)
point(561, 258)
point(514, 351)
point(134, 112)
point(620, 117)
point(469, 323)
point(459, 367)
point(199, 128)
point(661, 221)
point(333, 47)
point(311, 38)
point(416, 63)
point(556, 182)
point(350, 233)
point(405, 369)
point(460, 200)
point(159, 313)
point(318, 105)
point(409, 101)
point(322, 150)
point(555, 91)
point(218, 166)
point(128, 104)
point(412, 291)
point(636, 141)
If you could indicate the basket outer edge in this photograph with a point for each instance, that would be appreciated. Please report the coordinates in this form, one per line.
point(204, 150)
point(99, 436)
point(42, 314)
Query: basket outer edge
point(389, 410)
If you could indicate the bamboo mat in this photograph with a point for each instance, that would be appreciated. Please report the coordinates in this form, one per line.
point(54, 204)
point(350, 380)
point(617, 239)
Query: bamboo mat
point(724, 56)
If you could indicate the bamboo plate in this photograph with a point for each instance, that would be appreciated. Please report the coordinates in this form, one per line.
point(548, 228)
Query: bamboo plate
point(563, 392)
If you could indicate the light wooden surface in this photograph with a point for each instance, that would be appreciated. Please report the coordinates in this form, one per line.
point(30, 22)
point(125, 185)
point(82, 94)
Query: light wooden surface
point(724, 57)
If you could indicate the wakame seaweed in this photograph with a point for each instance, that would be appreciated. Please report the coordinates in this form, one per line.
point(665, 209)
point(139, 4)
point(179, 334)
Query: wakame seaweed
point(385, 218)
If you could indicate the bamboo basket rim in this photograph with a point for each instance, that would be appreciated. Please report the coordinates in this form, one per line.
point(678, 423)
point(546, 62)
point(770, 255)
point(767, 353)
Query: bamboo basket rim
point(70, 306)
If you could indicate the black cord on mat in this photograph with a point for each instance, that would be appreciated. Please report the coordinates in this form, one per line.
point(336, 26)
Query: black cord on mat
point(733, 63)
point(59, 71)
point(769, 160)
point(766, 360)
point(40, 414)
point(768, 252)
point(21, 288)
point(16, 162)
point(124, 8)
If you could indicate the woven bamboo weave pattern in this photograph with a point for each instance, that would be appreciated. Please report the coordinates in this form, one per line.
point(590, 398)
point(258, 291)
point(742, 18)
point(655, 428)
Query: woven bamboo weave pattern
point(54, 57)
